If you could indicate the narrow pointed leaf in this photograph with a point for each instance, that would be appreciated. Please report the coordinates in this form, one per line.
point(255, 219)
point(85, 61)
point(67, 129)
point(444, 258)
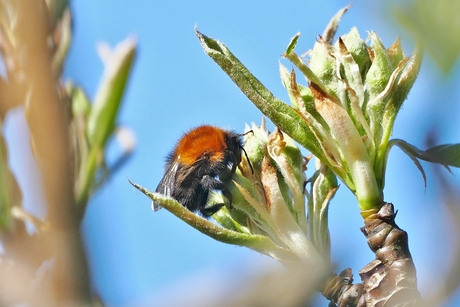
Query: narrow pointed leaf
point(281, 114)
point(410, 151)
point(101, 121)
point(257, 242)
point(446, 154)
point(293, 43)
point(323, 188)
point(224, 218)
point(380, 71)
point(396, 52)
point(404, 83)
point(309, 72)
point(331, 29)
point(384, 114)
point(359, 50)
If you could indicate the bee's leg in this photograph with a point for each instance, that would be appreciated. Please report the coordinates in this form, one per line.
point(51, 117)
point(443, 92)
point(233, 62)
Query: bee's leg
point(198, 200)
point(234, 161)
point(209, 211)
point(209, 183)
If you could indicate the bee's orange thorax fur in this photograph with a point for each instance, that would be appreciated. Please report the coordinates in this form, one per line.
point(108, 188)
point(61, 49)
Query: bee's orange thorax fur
point(204, 141)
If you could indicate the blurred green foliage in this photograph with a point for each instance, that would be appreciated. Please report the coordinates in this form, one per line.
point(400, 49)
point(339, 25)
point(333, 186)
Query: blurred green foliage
point(435, 25)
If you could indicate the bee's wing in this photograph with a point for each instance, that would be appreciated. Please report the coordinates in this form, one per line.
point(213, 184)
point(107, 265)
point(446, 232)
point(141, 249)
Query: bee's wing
point(189, 173)
point(176, 173)
point(167, 183)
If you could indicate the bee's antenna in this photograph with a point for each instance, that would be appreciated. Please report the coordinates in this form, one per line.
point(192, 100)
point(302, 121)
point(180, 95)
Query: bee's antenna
point(245, 153)
point(247, 158)
point(247, 132)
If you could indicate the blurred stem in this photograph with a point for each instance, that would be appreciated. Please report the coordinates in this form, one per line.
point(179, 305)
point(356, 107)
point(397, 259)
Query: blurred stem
point(48, 116)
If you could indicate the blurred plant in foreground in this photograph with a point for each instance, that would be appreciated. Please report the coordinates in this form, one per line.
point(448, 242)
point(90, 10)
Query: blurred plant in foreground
point(68, 137)
point(435, 26)
point(344, 116)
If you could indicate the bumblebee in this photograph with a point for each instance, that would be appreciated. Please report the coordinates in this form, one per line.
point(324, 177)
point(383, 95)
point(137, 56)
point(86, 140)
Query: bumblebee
point(203, 159)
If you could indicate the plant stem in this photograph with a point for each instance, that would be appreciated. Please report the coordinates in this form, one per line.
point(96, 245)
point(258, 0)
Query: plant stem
point(388, 280)
point(47, 114)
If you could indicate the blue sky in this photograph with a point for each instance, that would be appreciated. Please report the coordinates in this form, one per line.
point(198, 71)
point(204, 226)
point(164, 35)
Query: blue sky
point(141, 258)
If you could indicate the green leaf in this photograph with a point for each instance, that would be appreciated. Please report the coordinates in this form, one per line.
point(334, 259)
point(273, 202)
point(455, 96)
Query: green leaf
point(435, 26)
point(355, 155)
point(411, 151)
point(292, 43)
point(396, 52)
point(403, 84)
point(321, 67)
point(10, 194)
point(384, 108)
point(118, 62)
point(358, 49)
point(446, 154)
point(102, 118)
point(331, 28)
point(323, 188)
point(380, 71)
point(259, 243)
point(81, 105)
point(224, 218)
point(281, 114)
point(300, 96)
